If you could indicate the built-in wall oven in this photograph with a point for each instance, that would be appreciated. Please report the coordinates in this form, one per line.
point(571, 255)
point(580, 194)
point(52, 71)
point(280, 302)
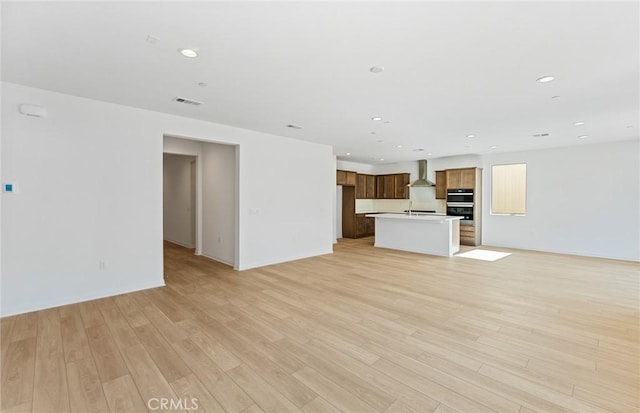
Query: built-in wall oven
point(460, 195)
point(460, 204)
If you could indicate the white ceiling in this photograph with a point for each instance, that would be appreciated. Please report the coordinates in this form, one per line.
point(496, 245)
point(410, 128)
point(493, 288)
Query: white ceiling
point(451, 68)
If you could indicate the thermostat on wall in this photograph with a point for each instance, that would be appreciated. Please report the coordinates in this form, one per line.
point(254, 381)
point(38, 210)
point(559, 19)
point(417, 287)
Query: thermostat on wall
point(10, 188)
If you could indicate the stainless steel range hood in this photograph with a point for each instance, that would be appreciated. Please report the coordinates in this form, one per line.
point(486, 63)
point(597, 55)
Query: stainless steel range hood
point(422, 175)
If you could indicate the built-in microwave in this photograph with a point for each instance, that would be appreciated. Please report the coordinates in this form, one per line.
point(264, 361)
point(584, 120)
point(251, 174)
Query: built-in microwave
point(460, 195)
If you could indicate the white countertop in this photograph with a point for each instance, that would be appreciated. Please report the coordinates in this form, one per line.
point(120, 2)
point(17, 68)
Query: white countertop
point(401, 213)
point(430, 217)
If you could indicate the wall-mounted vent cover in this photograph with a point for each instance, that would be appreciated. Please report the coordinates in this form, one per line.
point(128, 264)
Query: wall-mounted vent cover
point(187, 101)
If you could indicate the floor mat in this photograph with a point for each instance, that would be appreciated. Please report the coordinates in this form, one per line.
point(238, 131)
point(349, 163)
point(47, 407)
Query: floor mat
point(484, 255)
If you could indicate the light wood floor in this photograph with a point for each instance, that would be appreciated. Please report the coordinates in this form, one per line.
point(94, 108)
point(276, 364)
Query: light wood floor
point(362, 330)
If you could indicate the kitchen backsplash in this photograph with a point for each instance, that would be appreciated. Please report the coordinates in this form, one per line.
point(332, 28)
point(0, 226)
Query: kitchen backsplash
point(398, 205)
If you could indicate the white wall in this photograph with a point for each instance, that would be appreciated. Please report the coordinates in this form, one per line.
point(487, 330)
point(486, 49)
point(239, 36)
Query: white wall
point(219, 202)
point(582, 200)
point(90, 177)
point(177, 210)
point(90, 191)
point(362, 168)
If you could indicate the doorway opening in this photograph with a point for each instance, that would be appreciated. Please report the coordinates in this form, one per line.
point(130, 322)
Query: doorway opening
point(200, 197)
point(179, 199)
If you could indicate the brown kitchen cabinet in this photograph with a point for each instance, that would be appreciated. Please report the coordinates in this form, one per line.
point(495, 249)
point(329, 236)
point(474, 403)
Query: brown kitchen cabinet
point(348, 211)
point(389, 186)
point(345, 178)
point(371, 187)
point(467, 235)
point(365, 226)
point(393, 186)
point(361, 225)
point(464, 178)
point(371, 226)
point(365, 186)
point(441, 184)
point(401, 182)
point(361, 186)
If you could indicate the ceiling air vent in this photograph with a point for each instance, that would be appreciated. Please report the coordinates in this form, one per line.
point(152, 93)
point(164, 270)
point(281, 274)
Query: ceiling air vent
point(187, 101)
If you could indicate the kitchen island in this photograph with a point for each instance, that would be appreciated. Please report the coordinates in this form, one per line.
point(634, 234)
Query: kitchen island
point(425, 234)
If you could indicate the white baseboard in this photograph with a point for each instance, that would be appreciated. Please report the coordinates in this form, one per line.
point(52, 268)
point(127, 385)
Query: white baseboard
point(256, 264)
point(576, 253)
point(180, 243)
point(220, 260)
point(60, 301)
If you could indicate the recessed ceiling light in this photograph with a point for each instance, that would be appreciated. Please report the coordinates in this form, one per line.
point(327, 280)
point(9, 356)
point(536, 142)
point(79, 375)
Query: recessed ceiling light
point(376, 69)
point(555, 97)
point(348, 153)
point(429, 154)
point(372, 133)
point(376, 118)
point(578, 123)
point(583, 136)
point(471, 136)
point(418, 150)
point(382, 159)
point(398, 146)
point(379, 141)
point(493, 147)
point(188, 53)
point(202, 84)
point(545, 79)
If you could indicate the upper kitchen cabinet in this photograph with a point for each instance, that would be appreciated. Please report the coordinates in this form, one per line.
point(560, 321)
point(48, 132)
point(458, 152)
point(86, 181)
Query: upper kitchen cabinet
point(401, 182)
point(441, 184)
point(460, 178)
point(365, 186)
point(345, 178)
point(386, 187)
point(361, 186)
point(371, 186)
point(392, 186)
